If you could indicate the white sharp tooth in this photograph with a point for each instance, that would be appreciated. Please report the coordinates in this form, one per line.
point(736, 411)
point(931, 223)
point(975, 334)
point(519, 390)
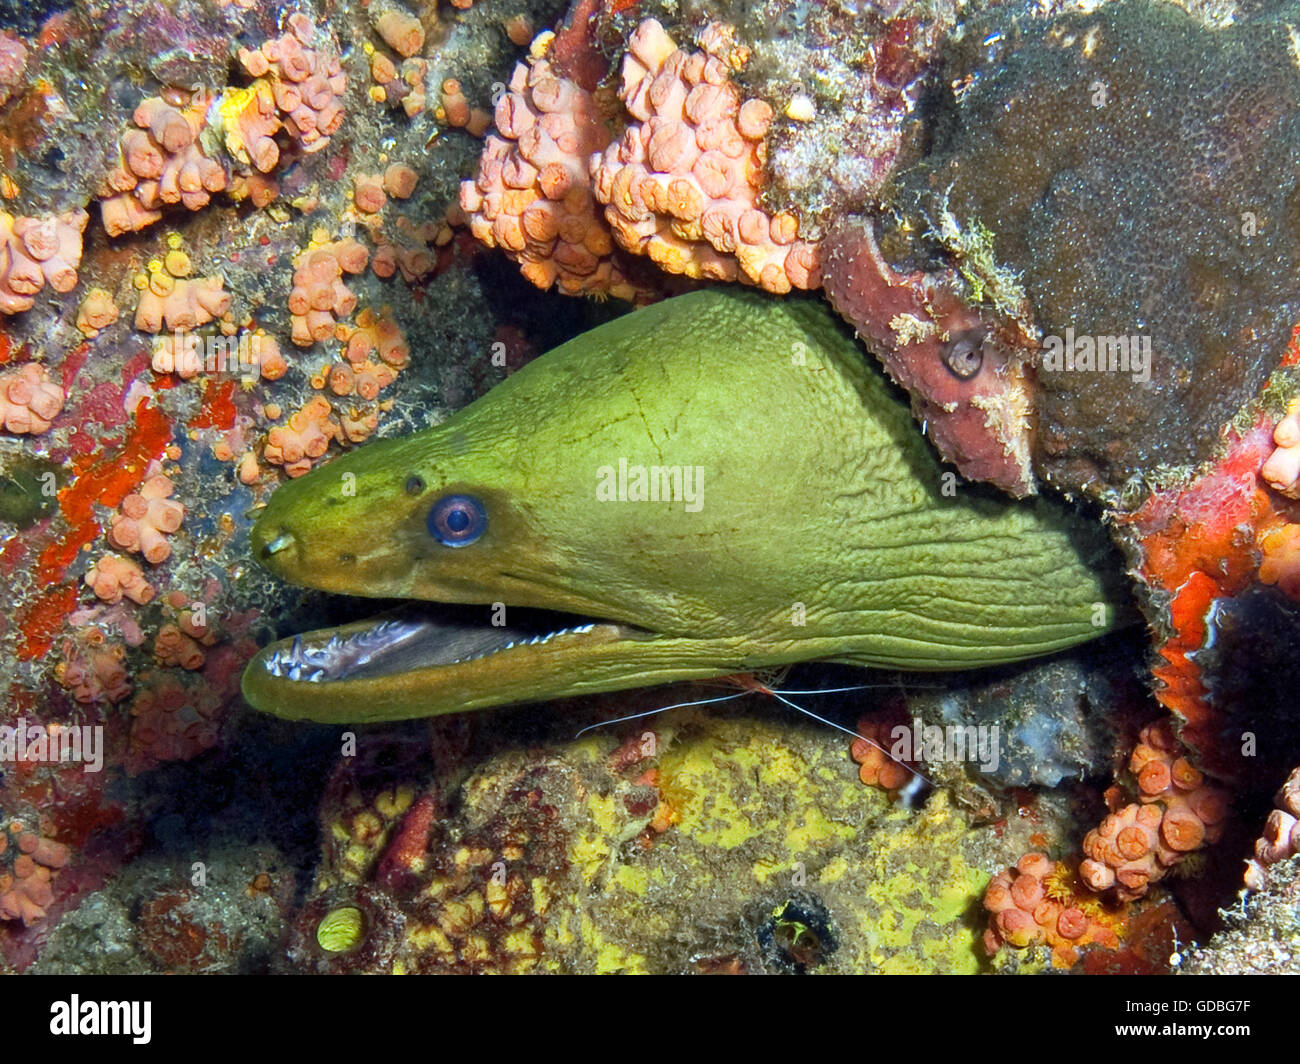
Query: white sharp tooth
point(317, 676)
point(334, 643)
point(295, 673)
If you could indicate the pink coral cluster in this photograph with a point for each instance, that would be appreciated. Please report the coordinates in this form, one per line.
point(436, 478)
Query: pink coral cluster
point(307, 83)
point(92, 669)
point(1032, 904)
point(25, 891)
point(533, 195)
point(364, 379)
point(147, 518)
point(1281, 470)
point(1281, 838)
point(682, 184)
point(183, 641)
point(162, 162)
point(319, 298)
point(306, 437)
point(171, 721)
point(378, 334)
point(29, 400)
point(35, 252)
point(876, 767)
point(113, 578)
point(13, 64)
point(1177, 812)
point(180, 303)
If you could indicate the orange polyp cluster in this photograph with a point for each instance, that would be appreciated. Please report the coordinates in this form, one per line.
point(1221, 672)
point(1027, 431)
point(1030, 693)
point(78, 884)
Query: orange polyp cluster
point(35, 252)
point(161, 163)
point(25, 892)
point(179, 302)
point(147, 517)
point(92, 669)
point(410, 253)
point(319, 297)
point(1028, 906)
point(306, 437)
point(1281, 838)
point(1177, 813)
point(113, 578)
point(181, 642)
point(171, 721)
point(876, 767)
point(306, 83)
point(533, 197)
point(1280, 559)
point(455, 110)
point(362, 379)
point(1281, 470)
point(378, 334)
point(358, 424)
point(682, 184)
point(97, 311)
point(368, 193)
point(400, 30)
point(29, 400)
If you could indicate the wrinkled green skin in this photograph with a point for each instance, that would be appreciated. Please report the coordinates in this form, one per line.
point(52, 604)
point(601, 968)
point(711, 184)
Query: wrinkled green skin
point(822, 504)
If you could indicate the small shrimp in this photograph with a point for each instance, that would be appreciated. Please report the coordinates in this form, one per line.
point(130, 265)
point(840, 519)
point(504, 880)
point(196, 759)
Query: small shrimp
point(765, 682)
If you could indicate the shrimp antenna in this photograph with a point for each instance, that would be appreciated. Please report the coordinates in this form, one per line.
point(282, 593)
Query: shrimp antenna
point(661, 709)
point(850, 731)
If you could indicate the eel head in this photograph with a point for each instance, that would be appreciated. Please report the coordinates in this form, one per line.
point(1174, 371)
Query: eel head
point(709, 485)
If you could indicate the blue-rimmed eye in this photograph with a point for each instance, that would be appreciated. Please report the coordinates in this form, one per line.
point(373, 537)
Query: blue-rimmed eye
point(457, 520)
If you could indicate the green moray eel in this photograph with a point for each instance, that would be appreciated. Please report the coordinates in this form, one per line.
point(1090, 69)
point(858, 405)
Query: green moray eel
point(800, 516)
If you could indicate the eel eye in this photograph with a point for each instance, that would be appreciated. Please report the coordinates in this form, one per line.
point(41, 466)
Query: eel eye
point(457, 520)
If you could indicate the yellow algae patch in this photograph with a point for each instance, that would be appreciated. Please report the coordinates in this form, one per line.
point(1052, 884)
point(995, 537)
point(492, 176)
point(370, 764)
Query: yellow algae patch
point(814, 830)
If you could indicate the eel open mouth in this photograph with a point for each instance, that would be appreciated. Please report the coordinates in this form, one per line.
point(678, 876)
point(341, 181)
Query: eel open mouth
point(426, 658)
point(413, 637)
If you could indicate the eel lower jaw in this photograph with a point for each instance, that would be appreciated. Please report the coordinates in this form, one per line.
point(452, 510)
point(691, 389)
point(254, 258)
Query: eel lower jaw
point(415, 662)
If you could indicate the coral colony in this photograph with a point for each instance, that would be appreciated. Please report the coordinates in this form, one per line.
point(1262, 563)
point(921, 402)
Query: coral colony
point(238, 240)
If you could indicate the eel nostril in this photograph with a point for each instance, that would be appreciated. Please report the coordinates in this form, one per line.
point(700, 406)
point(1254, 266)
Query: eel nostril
point(281, 542)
